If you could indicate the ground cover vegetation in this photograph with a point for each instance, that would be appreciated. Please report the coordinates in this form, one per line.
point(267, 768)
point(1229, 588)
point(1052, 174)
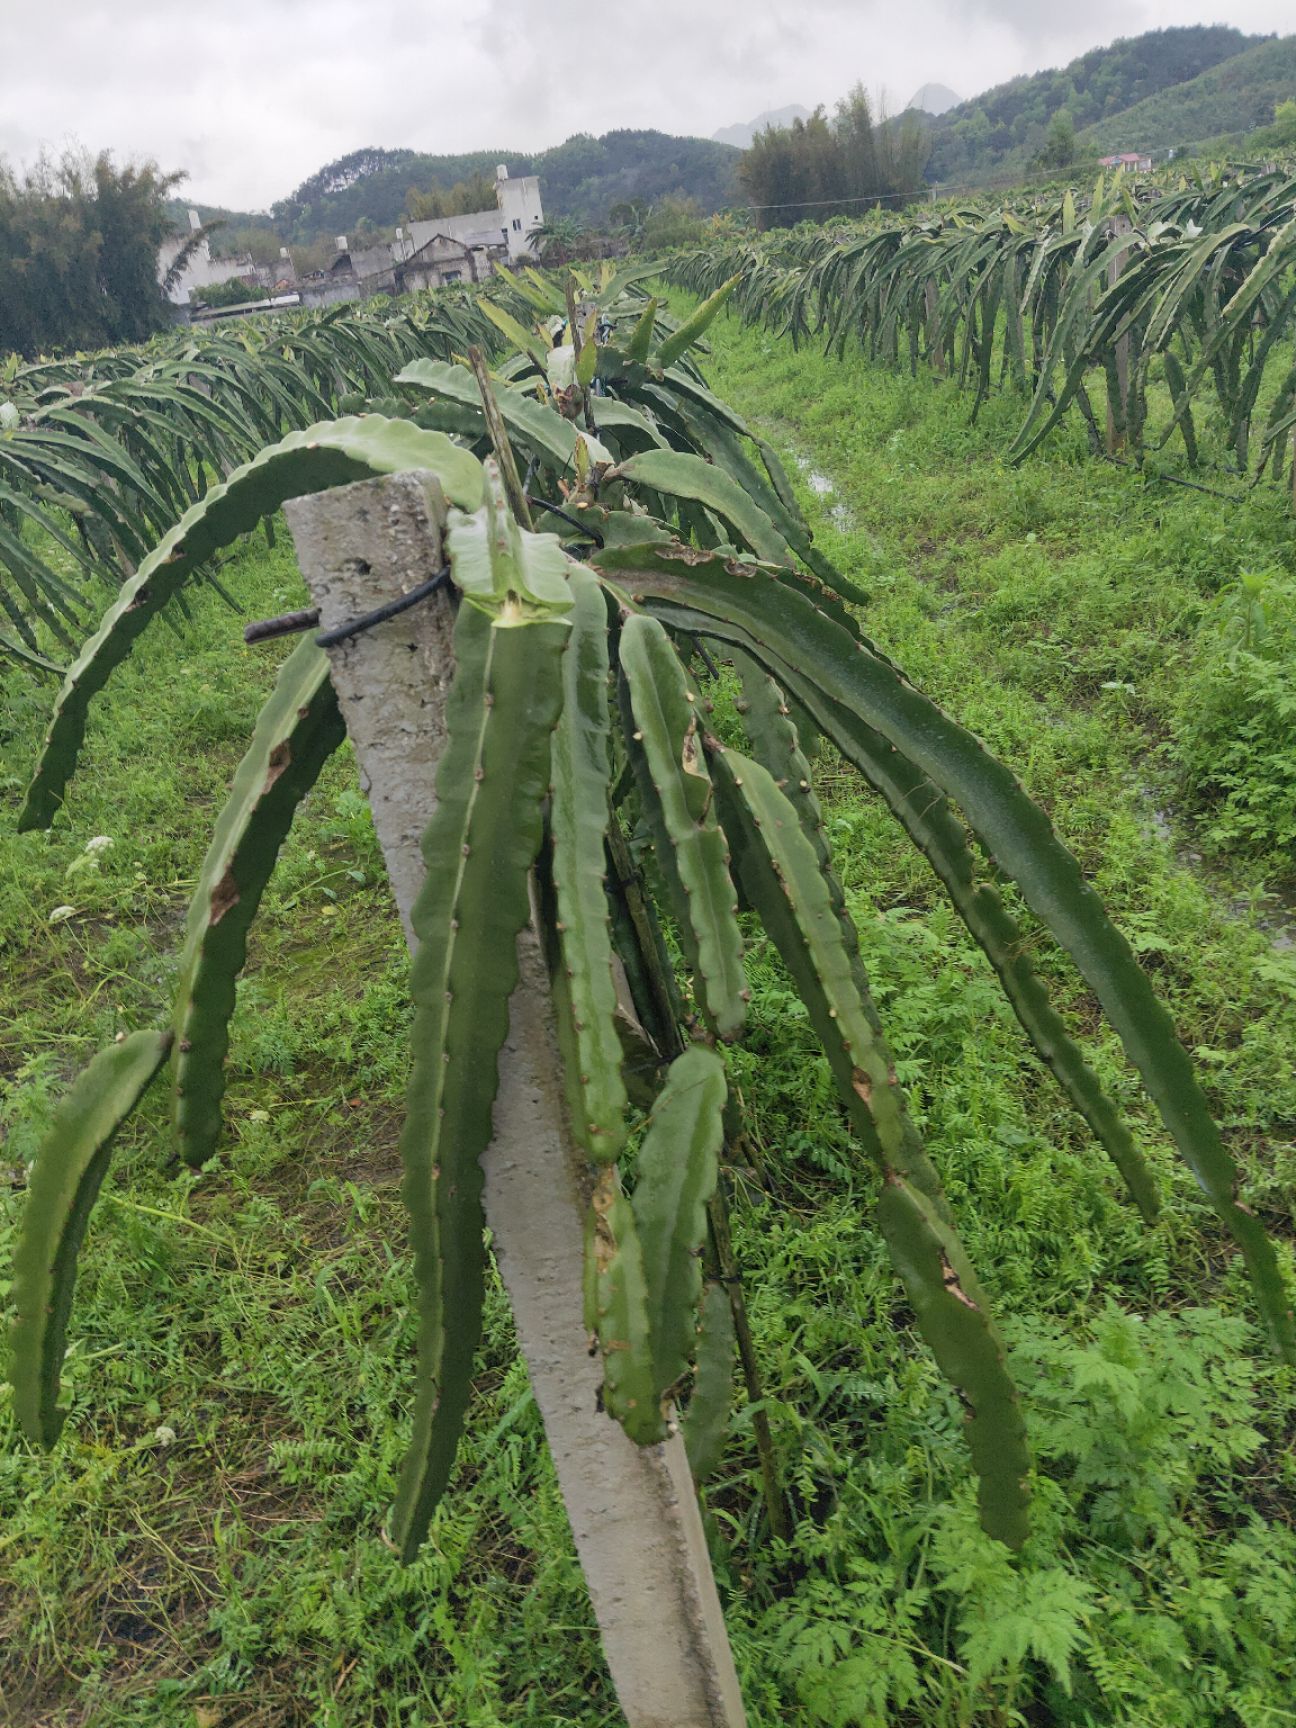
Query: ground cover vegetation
point(858, 1673)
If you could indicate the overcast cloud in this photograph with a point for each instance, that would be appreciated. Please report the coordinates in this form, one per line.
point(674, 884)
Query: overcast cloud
point(251, 96)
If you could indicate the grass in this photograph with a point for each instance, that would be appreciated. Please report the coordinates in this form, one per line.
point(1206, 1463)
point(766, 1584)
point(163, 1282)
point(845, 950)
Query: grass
point(205, 1548)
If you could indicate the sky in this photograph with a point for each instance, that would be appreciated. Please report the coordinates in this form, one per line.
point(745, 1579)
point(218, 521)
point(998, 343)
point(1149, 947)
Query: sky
point(250, 97)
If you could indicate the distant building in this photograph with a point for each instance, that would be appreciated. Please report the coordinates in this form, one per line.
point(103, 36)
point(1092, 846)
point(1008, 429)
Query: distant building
point(424, 255)
point(201, 269)
point(443, 249)
point(439, 260)
point(504, 232)
point(1133, 161)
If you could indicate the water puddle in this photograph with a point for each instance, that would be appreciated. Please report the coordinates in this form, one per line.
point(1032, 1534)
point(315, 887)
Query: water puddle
point(843, 517)
point(1272, 914)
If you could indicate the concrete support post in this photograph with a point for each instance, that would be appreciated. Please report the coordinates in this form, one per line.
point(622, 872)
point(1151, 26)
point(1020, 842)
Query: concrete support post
point(931, 307)
point(1117, 435)
point(633, 1510)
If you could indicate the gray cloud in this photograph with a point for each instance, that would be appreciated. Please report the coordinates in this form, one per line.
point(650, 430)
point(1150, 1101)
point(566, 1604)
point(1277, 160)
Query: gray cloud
point(253, 96)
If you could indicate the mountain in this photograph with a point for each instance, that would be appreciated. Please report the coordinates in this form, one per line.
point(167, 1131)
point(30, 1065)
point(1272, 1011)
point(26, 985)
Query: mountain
point(999, 132)
point(1234, 97)
point(933, 99)
point(1167, 88)
point(741, 134)
point(582, 178)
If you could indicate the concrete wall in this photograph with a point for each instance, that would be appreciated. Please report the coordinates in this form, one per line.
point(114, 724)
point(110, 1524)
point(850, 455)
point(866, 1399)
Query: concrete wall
point(202, 270)
point(328, 290)
point(521, 211)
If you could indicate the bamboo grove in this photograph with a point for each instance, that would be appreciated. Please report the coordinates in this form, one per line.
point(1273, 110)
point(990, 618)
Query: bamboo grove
point(1164, 319)
point(585, 714)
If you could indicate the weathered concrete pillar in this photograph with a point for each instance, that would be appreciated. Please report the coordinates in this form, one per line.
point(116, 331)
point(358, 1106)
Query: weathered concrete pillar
point(633, 1510)
point(1117, 437)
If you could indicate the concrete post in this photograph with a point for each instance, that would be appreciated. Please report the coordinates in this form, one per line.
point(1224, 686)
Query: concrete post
point(633, 1510)
point(1116, 440)
point(931, 307)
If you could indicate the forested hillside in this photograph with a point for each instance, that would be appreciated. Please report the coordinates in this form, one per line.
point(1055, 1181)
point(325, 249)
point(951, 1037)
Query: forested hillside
point(583, 178)
point(1002, 129)
point(1164, 89)
point(1236, 96)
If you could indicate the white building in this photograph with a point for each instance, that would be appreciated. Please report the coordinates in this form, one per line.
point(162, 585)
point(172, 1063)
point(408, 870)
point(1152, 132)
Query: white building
point(201, 270)
point(518, 210)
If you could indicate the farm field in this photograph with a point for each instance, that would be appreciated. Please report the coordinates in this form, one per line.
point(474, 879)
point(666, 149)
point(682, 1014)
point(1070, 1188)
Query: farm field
point(205, 1547)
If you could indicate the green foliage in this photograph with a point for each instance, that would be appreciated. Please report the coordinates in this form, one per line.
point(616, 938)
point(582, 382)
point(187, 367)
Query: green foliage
point(1109, 90)
point(475, 193)
point(1283, 132)
point(297, 731)
point(307, 461)
point(101, 454)
point(1232, 97)
point(585, 982)
point(1235, 740)
point(706, 1421)
point(815, 169)
point(478, 849)
point(1060, 144)
point(69, 1171)
point(648, 1280)
point(1161, 304)
point(233, 293)
point(226, 1571)
point(675, 220)
point(78, 253)
point(581, 179)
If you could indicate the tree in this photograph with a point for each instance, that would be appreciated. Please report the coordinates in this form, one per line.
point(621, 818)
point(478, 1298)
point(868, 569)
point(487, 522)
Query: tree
point(462, 199)
point(1281, 135)
point(232, 293)
point(855, 133)
point(561, 240)
point(626, 220)
point(816, 168)
point(672, 221)
point(79, 246)
point(1060, 144)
